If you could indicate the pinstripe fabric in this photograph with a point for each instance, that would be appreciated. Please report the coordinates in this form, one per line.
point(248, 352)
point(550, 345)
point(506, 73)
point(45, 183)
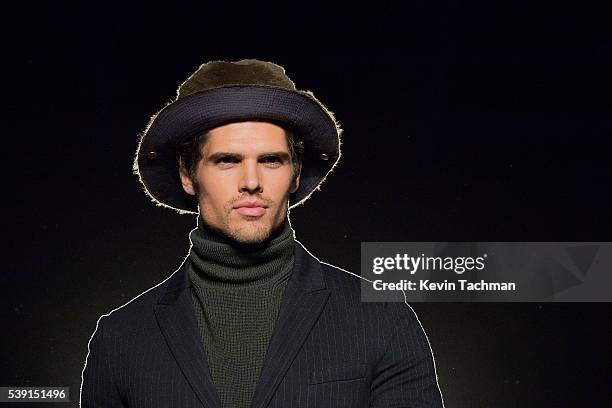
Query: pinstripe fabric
point(328, 349)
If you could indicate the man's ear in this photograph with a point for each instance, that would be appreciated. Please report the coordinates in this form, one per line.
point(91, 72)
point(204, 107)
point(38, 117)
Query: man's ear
point(186, 180)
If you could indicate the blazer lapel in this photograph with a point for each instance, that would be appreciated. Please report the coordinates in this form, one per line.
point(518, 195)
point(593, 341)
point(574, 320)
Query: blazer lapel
point(302, 304)
point(176, 319)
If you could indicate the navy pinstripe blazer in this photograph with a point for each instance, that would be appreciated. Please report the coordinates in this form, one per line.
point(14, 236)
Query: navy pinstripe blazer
point(328, 349)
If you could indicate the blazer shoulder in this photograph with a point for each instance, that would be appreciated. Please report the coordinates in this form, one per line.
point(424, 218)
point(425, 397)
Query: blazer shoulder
point(346, 284)
point(137, 310)
point(339, 279)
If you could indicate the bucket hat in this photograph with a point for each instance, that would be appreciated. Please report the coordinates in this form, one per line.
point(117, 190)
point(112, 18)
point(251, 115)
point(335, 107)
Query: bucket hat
point(222, 92)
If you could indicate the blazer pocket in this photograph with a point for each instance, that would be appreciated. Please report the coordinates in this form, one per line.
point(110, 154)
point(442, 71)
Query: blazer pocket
point(339, 373)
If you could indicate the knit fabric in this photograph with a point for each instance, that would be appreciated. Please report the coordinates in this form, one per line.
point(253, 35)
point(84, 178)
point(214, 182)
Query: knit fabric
point(237, 292)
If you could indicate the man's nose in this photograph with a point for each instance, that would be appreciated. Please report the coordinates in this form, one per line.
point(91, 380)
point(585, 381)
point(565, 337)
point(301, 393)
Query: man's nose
point(251, 181)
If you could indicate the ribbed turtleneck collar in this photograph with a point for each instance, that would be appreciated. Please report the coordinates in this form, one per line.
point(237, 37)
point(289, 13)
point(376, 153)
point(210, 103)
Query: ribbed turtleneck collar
point(218, 262)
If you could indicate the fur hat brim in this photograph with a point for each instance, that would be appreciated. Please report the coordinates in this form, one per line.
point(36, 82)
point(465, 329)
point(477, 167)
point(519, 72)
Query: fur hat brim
point(156, 163)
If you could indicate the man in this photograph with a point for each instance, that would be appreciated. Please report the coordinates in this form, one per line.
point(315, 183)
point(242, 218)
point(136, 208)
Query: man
point(251, 318)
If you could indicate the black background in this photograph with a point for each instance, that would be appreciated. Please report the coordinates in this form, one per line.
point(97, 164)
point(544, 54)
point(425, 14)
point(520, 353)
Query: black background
point(462, 122)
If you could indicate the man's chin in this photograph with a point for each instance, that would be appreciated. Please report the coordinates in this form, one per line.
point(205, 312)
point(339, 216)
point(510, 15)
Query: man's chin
point(255, 233)
point(250, 233)
point(247, 233)
point(250, 237)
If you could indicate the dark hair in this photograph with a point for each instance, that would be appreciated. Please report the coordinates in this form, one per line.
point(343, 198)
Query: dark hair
point(189, 151)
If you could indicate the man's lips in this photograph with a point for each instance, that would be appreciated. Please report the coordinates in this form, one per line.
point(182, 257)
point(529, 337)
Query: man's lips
point(251, 209)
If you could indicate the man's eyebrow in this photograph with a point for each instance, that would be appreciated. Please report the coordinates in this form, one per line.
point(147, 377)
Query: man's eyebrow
point(219, 155)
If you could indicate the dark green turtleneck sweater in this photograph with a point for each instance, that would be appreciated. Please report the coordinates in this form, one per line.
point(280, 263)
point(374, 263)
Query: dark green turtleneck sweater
point(237, 292)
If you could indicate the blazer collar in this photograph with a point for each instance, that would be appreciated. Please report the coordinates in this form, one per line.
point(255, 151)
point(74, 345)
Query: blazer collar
point(303, 302)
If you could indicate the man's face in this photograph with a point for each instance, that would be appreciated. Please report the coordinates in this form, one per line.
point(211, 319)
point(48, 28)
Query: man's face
point(243, 180)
